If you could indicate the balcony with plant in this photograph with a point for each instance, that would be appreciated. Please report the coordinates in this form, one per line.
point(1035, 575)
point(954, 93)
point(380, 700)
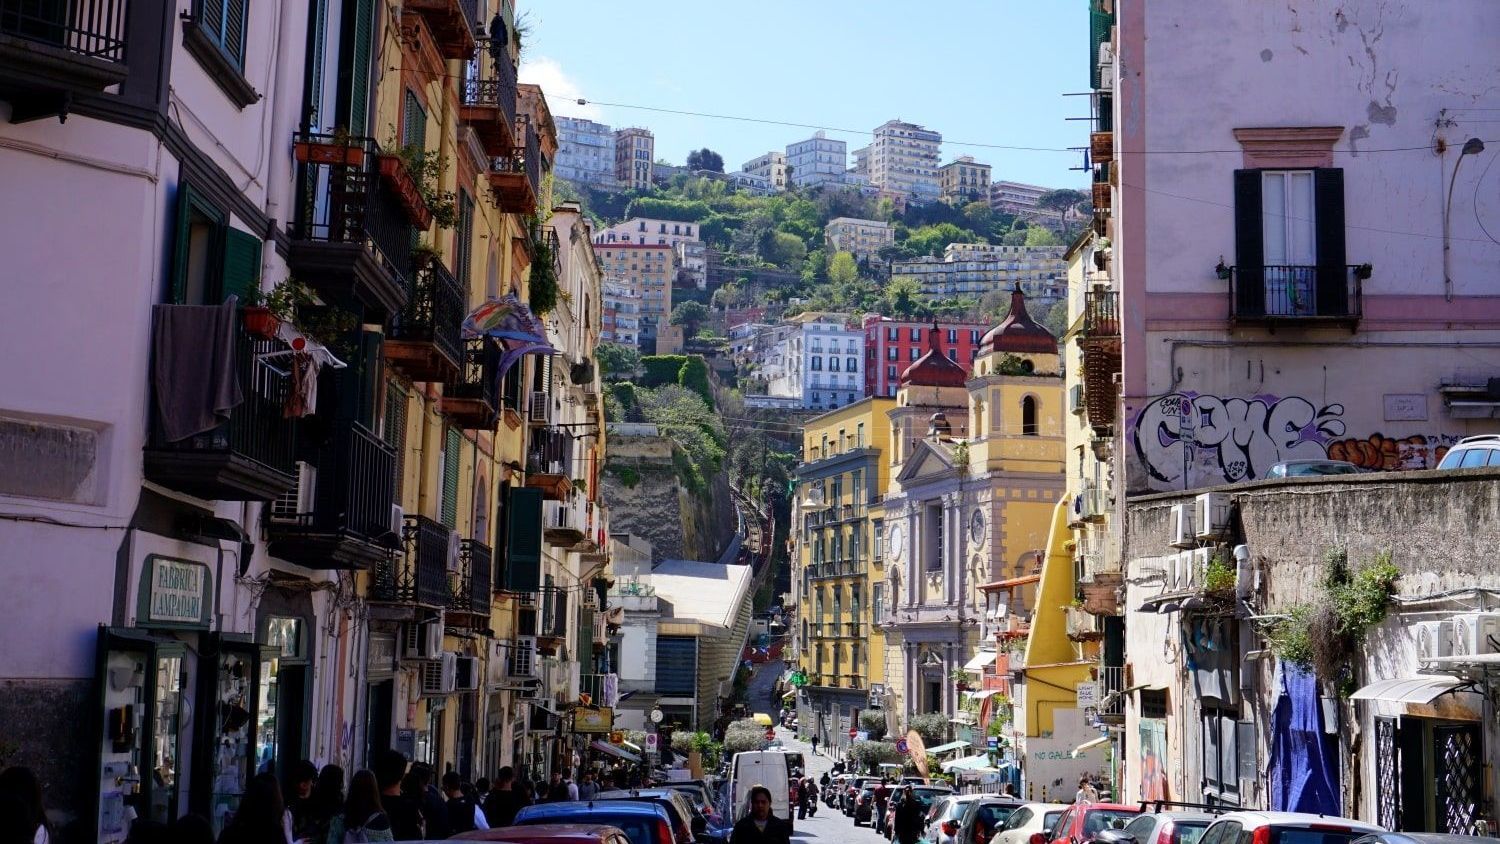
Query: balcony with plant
point(424, 340)
point(489, 99)
point(515, 175)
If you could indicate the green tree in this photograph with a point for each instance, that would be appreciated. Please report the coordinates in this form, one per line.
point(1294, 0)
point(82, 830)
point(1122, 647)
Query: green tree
point(903, 298)
point(705, 159)
point(1056, 320)
point(782, 249)
point(931, 726)
point(994, 306)
point(1014, 237)
point(842, 268)
point(1041, 236)
point(686, 418)
point(617, 362)
point(690, 315)
point(1059, 201)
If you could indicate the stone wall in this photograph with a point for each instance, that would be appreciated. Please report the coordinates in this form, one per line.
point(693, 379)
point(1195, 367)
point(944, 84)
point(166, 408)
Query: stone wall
point(680, 523)
point(44, 726)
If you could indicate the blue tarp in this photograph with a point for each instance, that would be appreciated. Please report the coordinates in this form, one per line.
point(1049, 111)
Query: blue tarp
point(1304, 770)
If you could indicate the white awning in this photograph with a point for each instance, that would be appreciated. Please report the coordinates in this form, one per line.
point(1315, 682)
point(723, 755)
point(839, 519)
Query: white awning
point(950, 746)
point(1078, 751)
point(981, 695)
point(980, 661)
point(969, 763)
point(1420, 689)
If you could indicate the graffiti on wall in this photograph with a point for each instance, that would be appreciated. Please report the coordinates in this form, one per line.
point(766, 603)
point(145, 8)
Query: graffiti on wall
point(1213, 440)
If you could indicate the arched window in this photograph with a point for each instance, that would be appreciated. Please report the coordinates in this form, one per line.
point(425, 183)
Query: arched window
point(1028, 416)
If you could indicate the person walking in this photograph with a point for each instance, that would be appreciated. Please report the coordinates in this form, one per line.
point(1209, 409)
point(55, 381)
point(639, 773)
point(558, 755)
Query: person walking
point(261, 815)
point(586, 787)
point(1086, 791)
point(759, 826)
point(503, 802)
point(815, 744)
point(910, 815)
point(363, 817)
point(300, 780)
point(882, 795)
point(464, 813)
point(403, 810)
point(25, 817)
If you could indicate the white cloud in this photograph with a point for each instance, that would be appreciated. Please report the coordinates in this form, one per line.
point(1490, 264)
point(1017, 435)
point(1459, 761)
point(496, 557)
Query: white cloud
point(561, 91)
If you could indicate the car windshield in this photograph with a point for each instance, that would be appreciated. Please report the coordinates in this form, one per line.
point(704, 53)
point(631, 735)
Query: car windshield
point(1098, 820)
point(1049, 819)
point(1297, 835)
point(1299, 470)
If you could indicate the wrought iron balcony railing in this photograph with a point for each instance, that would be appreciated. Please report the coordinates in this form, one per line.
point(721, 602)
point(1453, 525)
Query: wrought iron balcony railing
point(431, 322)
point(418, 573)
point(1296, 293)
point(91, 28)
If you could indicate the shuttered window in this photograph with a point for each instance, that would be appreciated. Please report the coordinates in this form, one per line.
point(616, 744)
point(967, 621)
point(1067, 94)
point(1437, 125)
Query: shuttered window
point(241, 264)
point(676, 665)
point(1289, 243)
point(414, 123)
point(463, 254)
point(395, 430)
point(317, 39)
point(223, 21)
point(523, 540)
point(197, 255)
point(452, 444)
point(357, 39)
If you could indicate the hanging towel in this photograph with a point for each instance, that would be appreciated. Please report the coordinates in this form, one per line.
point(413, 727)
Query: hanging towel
point(193, 367)
point(302, 394)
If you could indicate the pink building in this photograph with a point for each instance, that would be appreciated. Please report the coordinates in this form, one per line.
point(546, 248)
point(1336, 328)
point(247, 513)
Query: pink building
point(892, 344)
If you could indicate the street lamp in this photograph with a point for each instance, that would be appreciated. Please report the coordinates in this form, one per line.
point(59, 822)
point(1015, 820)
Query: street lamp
point(1472, 146)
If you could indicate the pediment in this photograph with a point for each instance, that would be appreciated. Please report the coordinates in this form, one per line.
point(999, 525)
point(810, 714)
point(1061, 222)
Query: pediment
point(927, 460)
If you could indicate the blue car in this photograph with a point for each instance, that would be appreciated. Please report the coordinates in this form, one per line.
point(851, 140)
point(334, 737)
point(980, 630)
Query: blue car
point(642, 822)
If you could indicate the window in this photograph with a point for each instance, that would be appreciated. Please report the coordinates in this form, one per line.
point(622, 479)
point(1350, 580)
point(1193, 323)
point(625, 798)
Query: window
point(934, 550)
point(414, 123)
point(833, 364)
point(1289, 243)
point(953, 354)
point(953, 335)
point(1028, 417)
point(859, 437)
point(916, 335)
point(448, 514)
point(916, 353)
point(464, 239)
point(851, 365)
point(892, 353)
point(857, 486)
point(224, 23)
point(974, 336)
point(890, 372)
point(817, 364)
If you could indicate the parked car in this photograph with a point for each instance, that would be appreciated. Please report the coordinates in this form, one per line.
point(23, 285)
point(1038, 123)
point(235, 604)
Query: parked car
point(1082, 821)
point(642, 822)
point(1473, 452)
point(1422, 838)
point(1311, 468)
point(924, 794)
point(1161, 828)
point(946, 816)
point(696, 791)
point(687, 821)
point(549, 834)
point(1028, 820)
point(1284, 828)
point(984, 818)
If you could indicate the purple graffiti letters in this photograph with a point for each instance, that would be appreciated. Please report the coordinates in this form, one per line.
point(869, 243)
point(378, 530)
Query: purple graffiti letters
point(1223, 440)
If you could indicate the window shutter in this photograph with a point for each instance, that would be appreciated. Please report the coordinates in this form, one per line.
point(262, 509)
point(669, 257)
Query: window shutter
point(183, 244)
point(395, 430)
point(1332, 296)
point(465, 251)
point(365, 379)
point(585, 655)
point(241, 264)
point(414, 123)
point(235, 14)
point(358, 35)
point(452, 445)
point(317, 38)
point(523, 540)
point(1249, 245)
point(211, 17)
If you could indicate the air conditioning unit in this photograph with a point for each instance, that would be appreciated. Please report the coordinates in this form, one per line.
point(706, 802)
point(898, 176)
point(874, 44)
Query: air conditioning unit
point(1211, 514)
point(1476, 633)
point(1092, 506)
point(1106, 66)
point(1075, 399)
point(298, 500)
point(398, 519)
point(539, 409)
point(1434, 639)
point(1198, 568)
point(590, 599)
point(467, 674)
point(440, 677)
point(1180, 531)
point(522, 661)
point(422, 640)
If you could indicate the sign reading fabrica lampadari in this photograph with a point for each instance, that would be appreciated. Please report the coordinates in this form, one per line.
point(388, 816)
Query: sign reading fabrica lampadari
point(175, 592)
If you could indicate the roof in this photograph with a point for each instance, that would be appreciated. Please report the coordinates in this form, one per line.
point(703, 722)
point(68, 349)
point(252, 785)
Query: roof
point(1254, 819)
point(934, 369)
point(1019, 332)
point(582, 808)
point(707, 592)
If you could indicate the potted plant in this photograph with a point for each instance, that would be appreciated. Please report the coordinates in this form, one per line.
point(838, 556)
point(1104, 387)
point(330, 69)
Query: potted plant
point(396, 173)
point(338, 149)
point(264, 311)
point(414, 175)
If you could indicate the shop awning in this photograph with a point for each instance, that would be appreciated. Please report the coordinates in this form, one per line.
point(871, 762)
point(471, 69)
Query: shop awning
point(970, 763)
point(1078, 751)
point(948, 748)
point(1420, 689)
point(987, 693)
point(607, 748)
point(980, 661)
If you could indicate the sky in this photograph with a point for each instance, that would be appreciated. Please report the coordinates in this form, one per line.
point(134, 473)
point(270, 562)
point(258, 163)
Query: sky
point(978, 71)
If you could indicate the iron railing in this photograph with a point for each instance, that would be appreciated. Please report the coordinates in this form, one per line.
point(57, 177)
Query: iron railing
point(523, 158)
point(355, 489)
point(349, 203)
point(550, 452)
point(1297, 292)
point(476, 373)
point(498, 87)
point(434, 311)
point(418, 573)
point(1111, 685)
point(1100, 314)
point(477, 569)
point(256, 429)
point(92, 28)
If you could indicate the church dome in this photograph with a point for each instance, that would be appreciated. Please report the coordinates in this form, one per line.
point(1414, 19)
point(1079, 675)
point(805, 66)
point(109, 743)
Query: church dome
point(1019, 333)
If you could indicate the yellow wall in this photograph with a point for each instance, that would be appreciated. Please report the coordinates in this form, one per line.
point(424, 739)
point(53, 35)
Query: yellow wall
point(1054, 666)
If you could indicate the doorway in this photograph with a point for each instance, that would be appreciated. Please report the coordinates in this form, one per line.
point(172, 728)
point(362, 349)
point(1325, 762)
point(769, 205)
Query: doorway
point(378, 720)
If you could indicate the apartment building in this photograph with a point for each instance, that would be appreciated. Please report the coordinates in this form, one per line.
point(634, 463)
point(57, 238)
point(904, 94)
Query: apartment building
point(818, 362)
point(1015, 197)
point(643, 230)
point(838, 572)
point(649, 269)
point(585, 153)
point(964, 180)
point(892, 345)
point(771, 167)
point(862, 238)
point(903, 159)
point(973, 270)
point(635, 152)
point(622, 311)
point(819, 160)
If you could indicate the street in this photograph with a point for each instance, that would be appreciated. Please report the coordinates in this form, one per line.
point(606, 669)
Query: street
point(828, 825)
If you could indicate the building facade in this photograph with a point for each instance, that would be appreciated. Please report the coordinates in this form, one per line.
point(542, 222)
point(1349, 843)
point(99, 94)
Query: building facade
point(862, 238)
point(1015, 197)
point(972, 270)
point(964, 180)
point(649, 269)
point(585, 153)
point(622, 311)
point(635, 153)
point(819, 362)
point(891, 345)
point(769, 166)
point(903, 160)
point(819, 160)
point(641, 230)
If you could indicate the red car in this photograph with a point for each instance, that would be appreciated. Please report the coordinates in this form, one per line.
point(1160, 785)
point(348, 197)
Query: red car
point(563, 833)
point(1082, 821)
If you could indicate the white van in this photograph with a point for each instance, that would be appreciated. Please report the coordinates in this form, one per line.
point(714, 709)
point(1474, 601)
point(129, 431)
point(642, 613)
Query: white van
point(760, 767)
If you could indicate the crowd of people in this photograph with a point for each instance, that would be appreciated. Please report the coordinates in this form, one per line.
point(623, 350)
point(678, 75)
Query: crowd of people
point(392, 801)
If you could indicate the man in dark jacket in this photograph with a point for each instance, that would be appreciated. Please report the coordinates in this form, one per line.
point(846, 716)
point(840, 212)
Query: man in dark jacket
point(461, 807)
point(911, 816)
point(503, 802)
point(759, 826)
point(434, 807)
point(404, 811)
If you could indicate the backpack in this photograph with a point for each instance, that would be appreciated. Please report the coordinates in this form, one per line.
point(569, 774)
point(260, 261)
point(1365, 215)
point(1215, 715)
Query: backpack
point(358, 835)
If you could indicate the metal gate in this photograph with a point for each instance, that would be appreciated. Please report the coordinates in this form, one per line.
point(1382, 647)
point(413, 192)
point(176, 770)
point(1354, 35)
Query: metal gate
point(1387, 774)
point(1456, 751)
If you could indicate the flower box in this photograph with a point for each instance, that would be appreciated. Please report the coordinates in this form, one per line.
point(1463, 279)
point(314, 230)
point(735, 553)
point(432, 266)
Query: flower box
point(393, 171)
point(330, 152)
point(259, 322)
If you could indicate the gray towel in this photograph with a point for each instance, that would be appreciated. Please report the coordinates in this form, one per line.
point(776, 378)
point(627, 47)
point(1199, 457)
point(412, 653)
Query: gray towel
point(193, 367)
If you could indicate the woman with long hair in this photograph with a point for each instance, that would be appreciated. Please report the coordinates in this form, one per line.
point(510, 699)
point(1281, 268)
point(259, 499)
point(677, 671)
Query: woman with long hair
point(362, 811)
point(326, 802)
point(24, 793)
point(261, 815)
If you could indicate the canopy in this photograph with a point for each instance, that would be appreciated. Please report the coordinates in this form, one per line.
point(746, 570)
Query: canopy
point(970, 763)
point(763, 719)
point(987, 693)
point(632, 746)
point(607, 748)
point(980, 660)
point(1078, 751)
point(1420, 689)
point(949, 747)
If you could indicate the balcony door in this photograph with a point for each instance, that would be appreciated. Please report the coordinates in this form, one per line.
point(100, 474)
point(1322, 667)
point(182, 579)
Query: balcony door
point(1288, 223)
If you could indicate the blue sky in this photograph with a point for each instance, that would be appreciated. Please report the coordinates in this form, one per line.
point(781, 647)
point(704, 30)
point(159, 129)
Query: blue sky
point(985, 71)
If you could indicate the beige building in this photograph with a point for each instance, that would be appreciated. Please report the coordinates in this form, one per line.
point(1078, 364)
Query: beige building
point(862, 238)
point(903, 159)
point(649, 269)
point(771, 167)
point(1015, 197)
point(635, 149)
point(964, 180)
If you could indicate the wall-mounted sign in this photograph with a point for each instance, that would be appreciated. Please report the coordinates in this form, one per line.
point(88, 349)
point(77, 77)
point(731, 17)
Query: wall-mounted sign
point(1088, 695)
point(1405, 407)
point(380, 658)
point(593, 719)
point(174, 593)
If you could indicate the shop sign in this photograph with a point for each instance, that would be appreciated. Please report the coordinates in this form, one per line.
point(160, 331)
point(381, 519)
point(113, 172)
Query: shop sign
point(380, 659)
point(593, 719)
point(1088, 695)
point(175, 592)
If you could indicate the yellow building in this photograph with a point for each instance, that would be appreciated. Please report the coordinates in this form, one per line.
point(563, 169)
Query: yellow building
point(838, 574)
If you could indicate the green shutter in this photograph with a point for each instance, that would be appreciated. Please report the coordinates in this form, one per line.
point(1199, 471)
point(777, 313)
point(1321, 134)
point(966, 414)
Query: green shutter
point(183, 242)
point(241, 264)
point(465, 249)
point(235, 18)
point(395, 429)
point(363, 377)
point(317, 38)
point(359, 49)
point(585, 655)
point(414, 123)
point(452, 444)
point(523, 540)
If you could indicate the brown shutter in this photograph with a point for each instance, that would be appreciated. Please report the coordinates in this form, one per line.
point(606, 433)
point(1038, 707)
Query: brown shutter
point(1249, 245)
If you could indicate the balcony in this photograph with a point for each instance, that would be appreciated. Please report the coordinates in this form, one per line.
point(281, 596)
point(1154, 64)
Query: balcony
point(516, 174)
point(549, 463)
point(417, 574)
point(602, 689)
point(351, 237)
point(469, 603)
point(248, 458)
point(51, 50)
point(564, 523)
point(1101, 187)
point(1111, 707)
point(472, 398)
point(489, 101)
point(1101, 147)
point(341, 514)
point(1296, 294)
point(424, 340)
point(1100, 343)
point(452, 23)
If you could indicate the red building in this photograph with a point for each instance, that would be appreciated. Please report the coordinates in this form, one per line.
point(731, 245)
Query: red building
point(891, 345)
